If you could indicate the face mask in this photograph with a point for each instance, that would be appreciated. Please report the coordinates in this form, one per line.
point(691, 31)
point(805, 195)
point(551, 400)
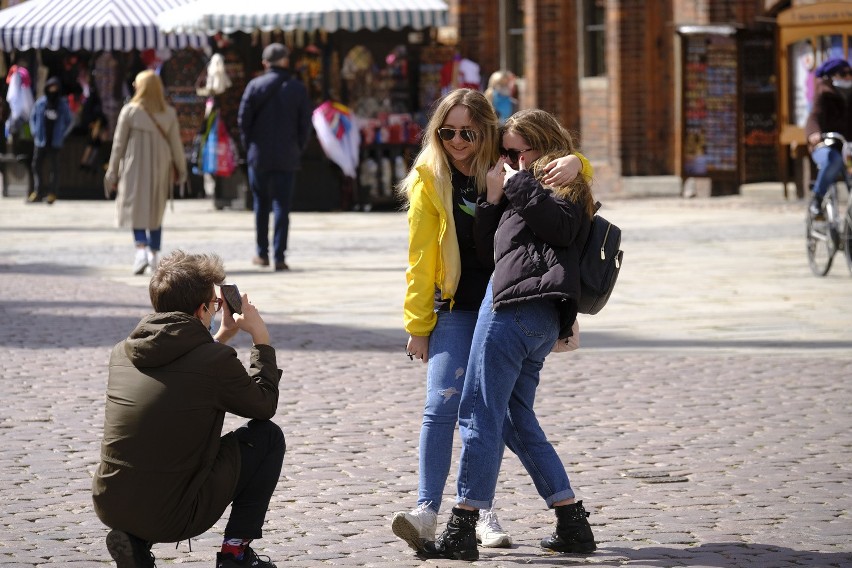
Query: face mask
point(212, 327)
point(53, 95)
point(842, 83)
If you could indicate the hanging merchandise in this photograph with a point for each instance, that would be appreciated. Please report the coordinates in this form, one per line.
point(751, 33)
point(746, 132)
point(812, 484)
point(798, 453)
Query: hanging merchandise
point(20, 99)
point(208, 153)
point(226, 152)
point(217, 80)
point(340, 140)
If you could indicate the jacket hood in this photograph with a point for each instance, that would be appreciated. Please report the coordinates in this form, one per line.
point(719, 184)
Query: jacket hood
point(161, 338)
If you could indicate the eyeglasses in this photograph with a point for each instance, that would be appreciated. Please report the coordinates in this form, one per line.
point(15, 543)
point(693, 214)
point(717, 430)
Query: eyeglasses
point(447, 134)
point(218, 303)
point(513, 154)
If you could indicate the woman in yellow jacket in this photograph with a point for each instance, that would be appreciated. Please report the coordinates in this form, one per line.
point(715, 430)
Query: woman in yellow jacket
point(445, 286)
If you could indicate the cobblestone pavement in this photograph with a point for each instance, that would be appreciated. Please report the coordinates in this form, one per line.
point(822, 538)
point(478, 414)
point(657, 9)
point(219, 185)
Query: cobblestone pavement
point(704, 422)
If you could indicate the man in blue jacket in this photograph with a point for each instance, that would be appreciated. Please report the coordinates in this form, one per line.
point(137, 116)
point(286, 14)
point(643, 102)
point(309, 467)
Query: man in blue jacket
point(275, 123)
point(50, 122)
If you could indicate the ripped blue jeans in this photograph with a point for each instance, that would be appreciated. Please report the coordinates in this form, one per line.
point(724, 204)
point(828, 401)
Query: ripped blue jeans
point(449, 349)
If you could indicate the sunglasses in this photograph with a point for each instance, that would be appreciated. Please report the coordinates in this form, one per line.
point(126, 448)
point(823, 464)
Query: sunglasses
point(513, 154)
point(447, 134)
point(845, 73)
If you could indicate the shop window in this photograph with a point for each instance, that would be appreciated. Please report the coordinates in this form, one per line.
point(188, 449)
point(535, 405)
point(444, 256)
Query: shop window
point(594, 38)
point(804, 57)
point(514, 38)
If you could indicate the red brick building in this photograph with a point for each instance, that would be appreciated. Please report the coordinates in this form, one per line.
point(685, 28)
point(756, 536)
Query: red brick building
point(672, 88)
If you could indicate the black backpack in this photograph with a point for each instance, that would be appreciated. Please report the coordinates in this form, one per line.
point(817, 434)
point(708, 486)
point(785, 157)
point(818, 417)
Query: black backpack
point(600, 262)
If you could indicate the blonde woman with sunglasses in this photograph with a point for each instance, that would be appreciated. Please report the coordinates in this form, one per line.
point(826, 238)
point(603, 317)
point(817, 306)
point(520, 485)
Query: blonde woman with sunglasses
point(446, 282)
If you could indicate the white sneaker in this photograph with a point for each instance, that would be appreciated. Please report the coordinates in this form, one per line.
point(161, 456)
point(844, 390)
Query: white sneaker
point(489, 533)
point(416, 527)
point(140, 263)
point(153, 260)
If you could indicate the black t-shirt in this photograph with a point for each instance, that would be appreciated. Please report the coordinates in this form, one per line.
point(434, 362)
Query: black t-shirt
point(474, 277)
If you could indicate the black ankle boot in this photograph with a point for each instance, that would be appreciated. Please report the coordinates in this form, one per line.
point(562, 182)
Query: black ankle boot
point(458, 541)
point(573, 533)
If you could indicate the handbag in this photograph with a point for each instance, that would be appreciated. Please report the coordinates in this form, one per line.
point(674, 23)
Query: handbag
point(600, 263)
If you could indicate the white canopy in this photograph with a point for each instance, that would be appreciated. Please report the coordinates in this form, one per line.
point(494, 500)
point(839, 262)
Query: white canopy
point(90, 24)
point(211, 16)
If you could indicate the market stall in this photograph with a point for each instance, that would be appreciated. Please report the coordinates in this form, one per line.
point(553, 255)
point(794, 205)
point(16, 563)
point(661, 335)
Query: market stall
point(93, 46)
point(376, 58)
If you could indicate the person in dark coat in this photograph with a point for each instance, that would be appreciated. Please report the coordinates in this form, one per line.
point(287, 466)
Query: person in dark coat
point(535, 234)
point(831, 112)
point(275, 125)
point(50, 123)
point(166, 472)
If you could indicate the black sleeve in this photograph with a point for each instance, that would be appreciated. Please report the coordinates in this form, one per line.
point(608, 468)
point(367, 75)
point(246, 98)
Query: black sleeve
point(552, 219)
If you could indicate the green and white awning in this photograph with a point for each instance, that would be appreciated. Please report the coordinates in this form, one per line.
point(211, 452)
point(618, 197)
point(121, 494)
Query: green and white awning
point(212, 16)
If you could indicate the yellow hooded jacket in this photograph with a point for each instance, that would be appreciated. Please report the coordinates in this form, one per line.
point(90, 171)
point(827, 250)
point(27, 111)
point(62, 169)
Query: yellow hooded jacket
point(433, 252)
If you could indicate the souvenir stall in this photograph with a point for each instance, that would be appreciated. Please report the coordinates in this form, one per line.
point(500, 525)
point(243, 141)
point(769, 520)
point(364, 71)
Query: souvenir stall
point(374, 70)
point(95, 47)
point(807, 36)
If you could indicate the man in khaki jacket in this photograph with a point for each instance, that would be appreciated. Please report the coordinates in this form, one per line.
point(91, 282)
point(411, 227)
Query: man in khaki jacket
point(166, 472)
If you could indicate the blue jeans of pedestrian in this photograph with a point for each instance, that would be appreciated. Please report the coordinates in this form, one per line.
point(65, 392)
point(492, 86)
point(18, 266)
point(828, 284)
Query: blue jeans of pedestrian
point(830, 164)
point(150, 238)
point(506, 356)
point(449, 350)
point(273, 192)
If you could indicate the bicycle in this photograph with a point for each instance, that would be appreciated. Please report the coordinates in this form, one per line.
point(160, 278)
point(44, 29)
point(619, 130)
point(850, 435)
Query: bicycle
point(827, 232)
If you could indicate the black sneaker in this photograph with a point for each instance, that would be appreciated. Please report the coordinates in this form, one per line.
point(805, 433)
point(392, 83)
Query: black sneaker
point(250, 559)
point(129, 551)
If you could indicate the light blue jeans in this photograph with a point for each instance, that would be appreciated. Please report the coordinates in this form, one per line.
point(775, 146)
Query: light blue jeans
point(507, 354)
point(449, 349)
point(830, 164)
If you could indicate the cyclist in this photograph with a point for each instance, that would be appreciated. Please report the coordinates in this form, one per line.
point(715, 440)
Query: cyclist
point(831, 112)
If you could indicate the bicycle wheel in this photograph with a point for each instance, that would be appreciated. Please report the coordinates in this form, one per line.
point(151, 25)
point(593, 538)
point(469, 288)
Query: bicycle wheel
point(820, 245)
point(847, 237)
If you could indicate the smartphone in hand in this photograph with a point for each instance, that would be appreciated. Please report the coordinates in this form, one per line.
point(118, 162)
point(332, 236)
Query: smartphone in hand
point(231, 294)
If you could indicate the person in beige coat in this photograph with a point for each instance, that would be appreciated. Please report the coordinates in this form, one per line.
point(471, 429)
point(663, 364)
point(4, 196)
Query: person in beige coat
point(147, 159)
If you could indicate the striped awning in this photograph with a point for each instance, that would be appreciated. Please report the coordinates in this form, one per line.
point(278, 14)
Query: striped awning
point(212, 16)
point(93, 25)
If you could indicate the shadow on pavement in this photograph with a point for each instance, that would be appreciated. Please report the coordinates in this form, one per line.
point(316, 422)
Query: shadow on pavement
point(711, 555)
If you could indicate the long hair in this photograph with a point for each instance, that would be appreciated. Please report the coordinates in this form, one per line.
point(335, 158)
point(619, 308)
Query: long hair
point(183, 281)
point(149, 91)
point(432, 153)
point(543, 133)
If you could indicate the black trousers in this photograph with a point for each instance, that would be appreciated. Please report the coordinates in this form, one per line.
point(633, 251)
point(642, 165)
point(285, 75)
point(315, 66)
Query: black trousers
point(262, 448)
point(50, 154)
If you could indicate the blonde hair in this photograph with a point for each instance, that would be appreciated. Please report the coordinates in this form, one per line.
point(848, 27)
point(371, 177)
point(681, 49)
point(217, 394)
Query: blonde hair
point(497, 78)
point(432, 153)
point(543, 133)
point(149, 91)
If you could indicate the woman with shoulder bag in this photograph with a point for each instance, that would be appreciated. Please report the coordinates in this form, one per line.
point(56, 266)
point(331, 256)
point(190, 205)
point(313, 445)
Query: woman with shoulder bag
point(147, 159)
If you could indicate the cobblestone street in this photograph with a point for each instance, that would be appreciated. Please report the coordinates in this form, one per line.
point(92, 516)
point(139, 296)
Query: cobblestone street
point(704, 422)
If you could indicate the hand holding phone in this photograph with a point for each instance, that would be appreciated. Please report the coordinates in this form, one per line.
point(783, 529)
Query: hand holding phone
point(231, 294)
